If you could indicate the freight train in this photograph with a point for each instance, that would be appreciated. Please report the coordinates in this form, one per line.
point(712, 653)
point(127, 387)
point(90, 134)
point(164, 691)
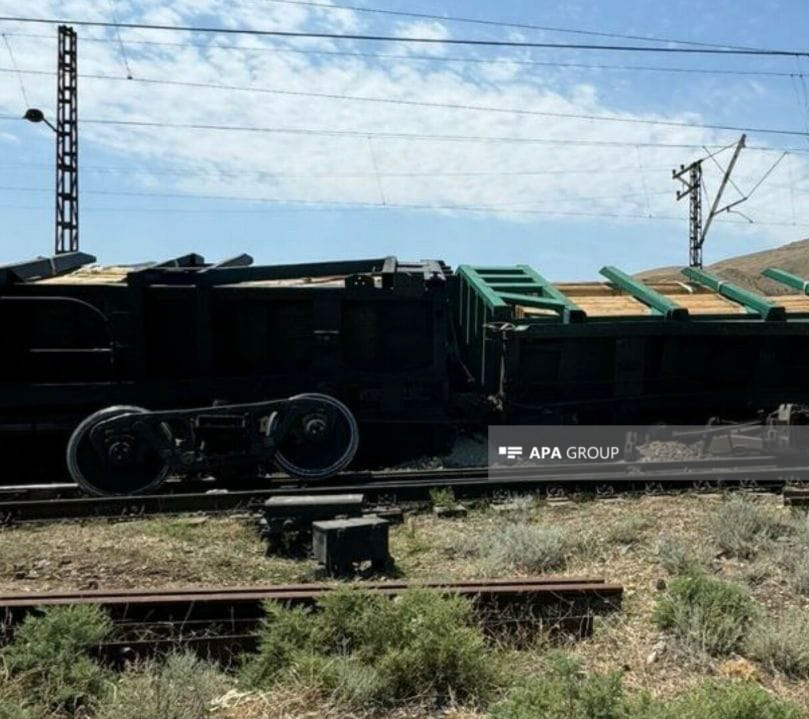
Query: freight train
point(120, 376)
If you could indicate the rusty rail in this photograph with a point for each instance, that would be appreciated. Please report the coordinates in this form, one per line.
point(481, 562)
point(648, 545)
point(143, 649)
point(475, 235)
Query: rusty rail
point(220, 623)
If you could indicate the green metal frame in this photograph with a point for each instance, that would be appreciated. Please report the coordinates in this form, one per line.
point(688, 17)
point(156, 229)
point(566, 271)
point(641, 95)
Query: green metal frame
point(755, 303)
point(788, 279)
point(501, 287)
point(659, 303)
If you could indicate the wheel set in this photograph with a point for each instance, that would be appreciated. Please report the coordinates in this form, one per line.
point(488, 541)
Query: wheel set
point(123, 449)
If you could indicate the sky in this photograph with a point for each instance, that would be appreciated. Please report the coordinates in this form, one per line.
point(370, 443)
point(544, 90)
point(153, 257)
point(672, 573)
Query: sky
point(304, 175)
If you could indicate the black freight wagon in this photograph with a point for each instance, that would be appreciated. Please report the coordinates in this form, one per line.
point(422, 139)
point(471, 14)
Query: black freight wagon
point(371, 352)
point(77, 338)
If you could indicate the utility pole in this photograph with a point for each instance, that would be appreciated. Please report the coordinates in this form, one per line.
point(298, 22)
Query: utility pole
point(693, 189)
point(67, 144)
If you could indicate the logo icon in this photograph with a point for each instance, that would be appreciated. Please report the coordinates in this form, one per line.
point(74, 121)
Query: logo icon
point(510, 452)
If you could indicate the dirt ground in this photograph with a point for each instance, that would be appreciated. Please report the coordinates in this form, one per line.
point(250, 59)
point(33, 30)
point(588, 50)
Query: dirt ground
point(616, 539)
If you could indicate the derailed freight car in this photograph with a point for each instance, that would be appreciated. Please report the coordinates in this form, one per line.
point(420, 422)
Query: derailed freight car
point(122, 375)
point(624, 351)
point(78, 338)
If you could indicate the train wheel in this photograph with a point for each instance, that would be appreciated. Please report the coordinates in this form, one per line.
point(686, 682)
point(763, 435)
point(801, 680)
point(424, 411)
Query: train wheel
point(321, 442)
point(128, 466)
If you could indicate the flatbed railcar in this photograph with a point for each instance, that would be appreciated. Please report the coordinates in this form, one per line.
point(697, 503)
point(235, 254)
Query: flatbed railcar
point(120, 375)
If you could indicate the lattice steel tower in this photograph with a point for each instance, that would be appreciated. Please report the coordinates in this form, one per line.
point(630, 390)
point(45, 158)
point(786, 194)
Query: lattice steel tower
point(693, 188)
point(67, 144)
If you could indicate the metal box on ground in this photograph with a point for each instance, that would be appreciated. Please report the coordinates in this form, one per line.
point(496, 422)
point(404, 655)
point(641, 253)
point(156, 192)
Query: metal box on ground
point(340, 545)
point(288, 521)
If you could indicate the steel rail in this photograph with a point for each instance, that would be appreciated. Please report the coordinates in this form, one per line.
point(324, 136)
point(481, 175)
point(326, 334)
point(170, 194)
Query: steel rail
point(393, 487)
point(176, 485)
point(221, 623)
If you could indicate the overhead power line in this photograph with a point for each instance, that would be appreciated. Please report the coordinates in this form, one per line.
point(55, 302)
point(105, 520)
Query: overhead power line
point(348, 206)
point(217, 173)
point(406, 39)
point(431, 104)
point(436, 58)
point(501, 23)
point(407, 135)
point(237, 198)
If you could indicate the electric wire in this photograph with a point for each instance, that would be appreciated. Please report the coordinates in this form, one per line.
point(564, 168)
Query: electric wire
point(500, 23)
point(401, 39)
point(434, 58)
point(434, 105)
point(407, 136)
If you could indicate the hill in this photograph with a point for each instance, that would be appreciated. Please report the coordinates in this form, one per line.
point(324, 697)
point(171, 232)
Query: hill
point(745, 270)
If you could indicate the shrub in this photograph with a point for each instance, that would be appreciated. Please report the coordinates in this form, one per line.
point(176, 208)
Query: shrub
point(442, 497)
point(284, 632)
point(628, 530)
point(433, 650)
point(707, 615)
point(794, 560)
point(13, 708)
point(565, 693)
point(729, 700)
point(49, 656)
point(368, 650)
point(525, 547)
point(346, 623)
point(344, 679)
point(181, 687)
point(743, 528)
point(677, 556)
point(800, 575)
point(782, 644)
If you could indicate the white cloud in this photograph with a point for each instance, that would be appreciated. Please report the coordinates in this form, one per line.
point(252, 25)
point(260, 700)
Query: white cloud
point(625, 178)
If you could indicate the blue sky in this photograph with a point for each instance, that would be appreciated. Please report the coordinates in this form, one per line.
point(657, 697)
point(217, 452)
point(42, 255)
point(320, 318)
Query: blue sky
point(566, 207)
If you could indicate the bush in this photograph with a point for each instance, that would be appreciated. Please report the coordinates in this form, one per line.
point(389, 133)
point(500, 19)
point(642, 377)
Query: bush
point(677, 556)
point(13, 708)
point(49, 656)
point(782, 644)
point(368, 650)
point(729, 700)
point(743, 528)
point(627, 531)
point(432, 650)
point(344, 679)
point(284, 632)
point(565, 693)
point(524, 547)
point(442, 497)
point(181, 687)
point(706, 615)
point(800, 575)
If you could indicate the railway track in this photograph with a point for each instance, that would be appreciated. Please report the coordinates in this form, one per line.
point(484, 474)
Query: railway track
point(392, 487)
point(221, 623)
